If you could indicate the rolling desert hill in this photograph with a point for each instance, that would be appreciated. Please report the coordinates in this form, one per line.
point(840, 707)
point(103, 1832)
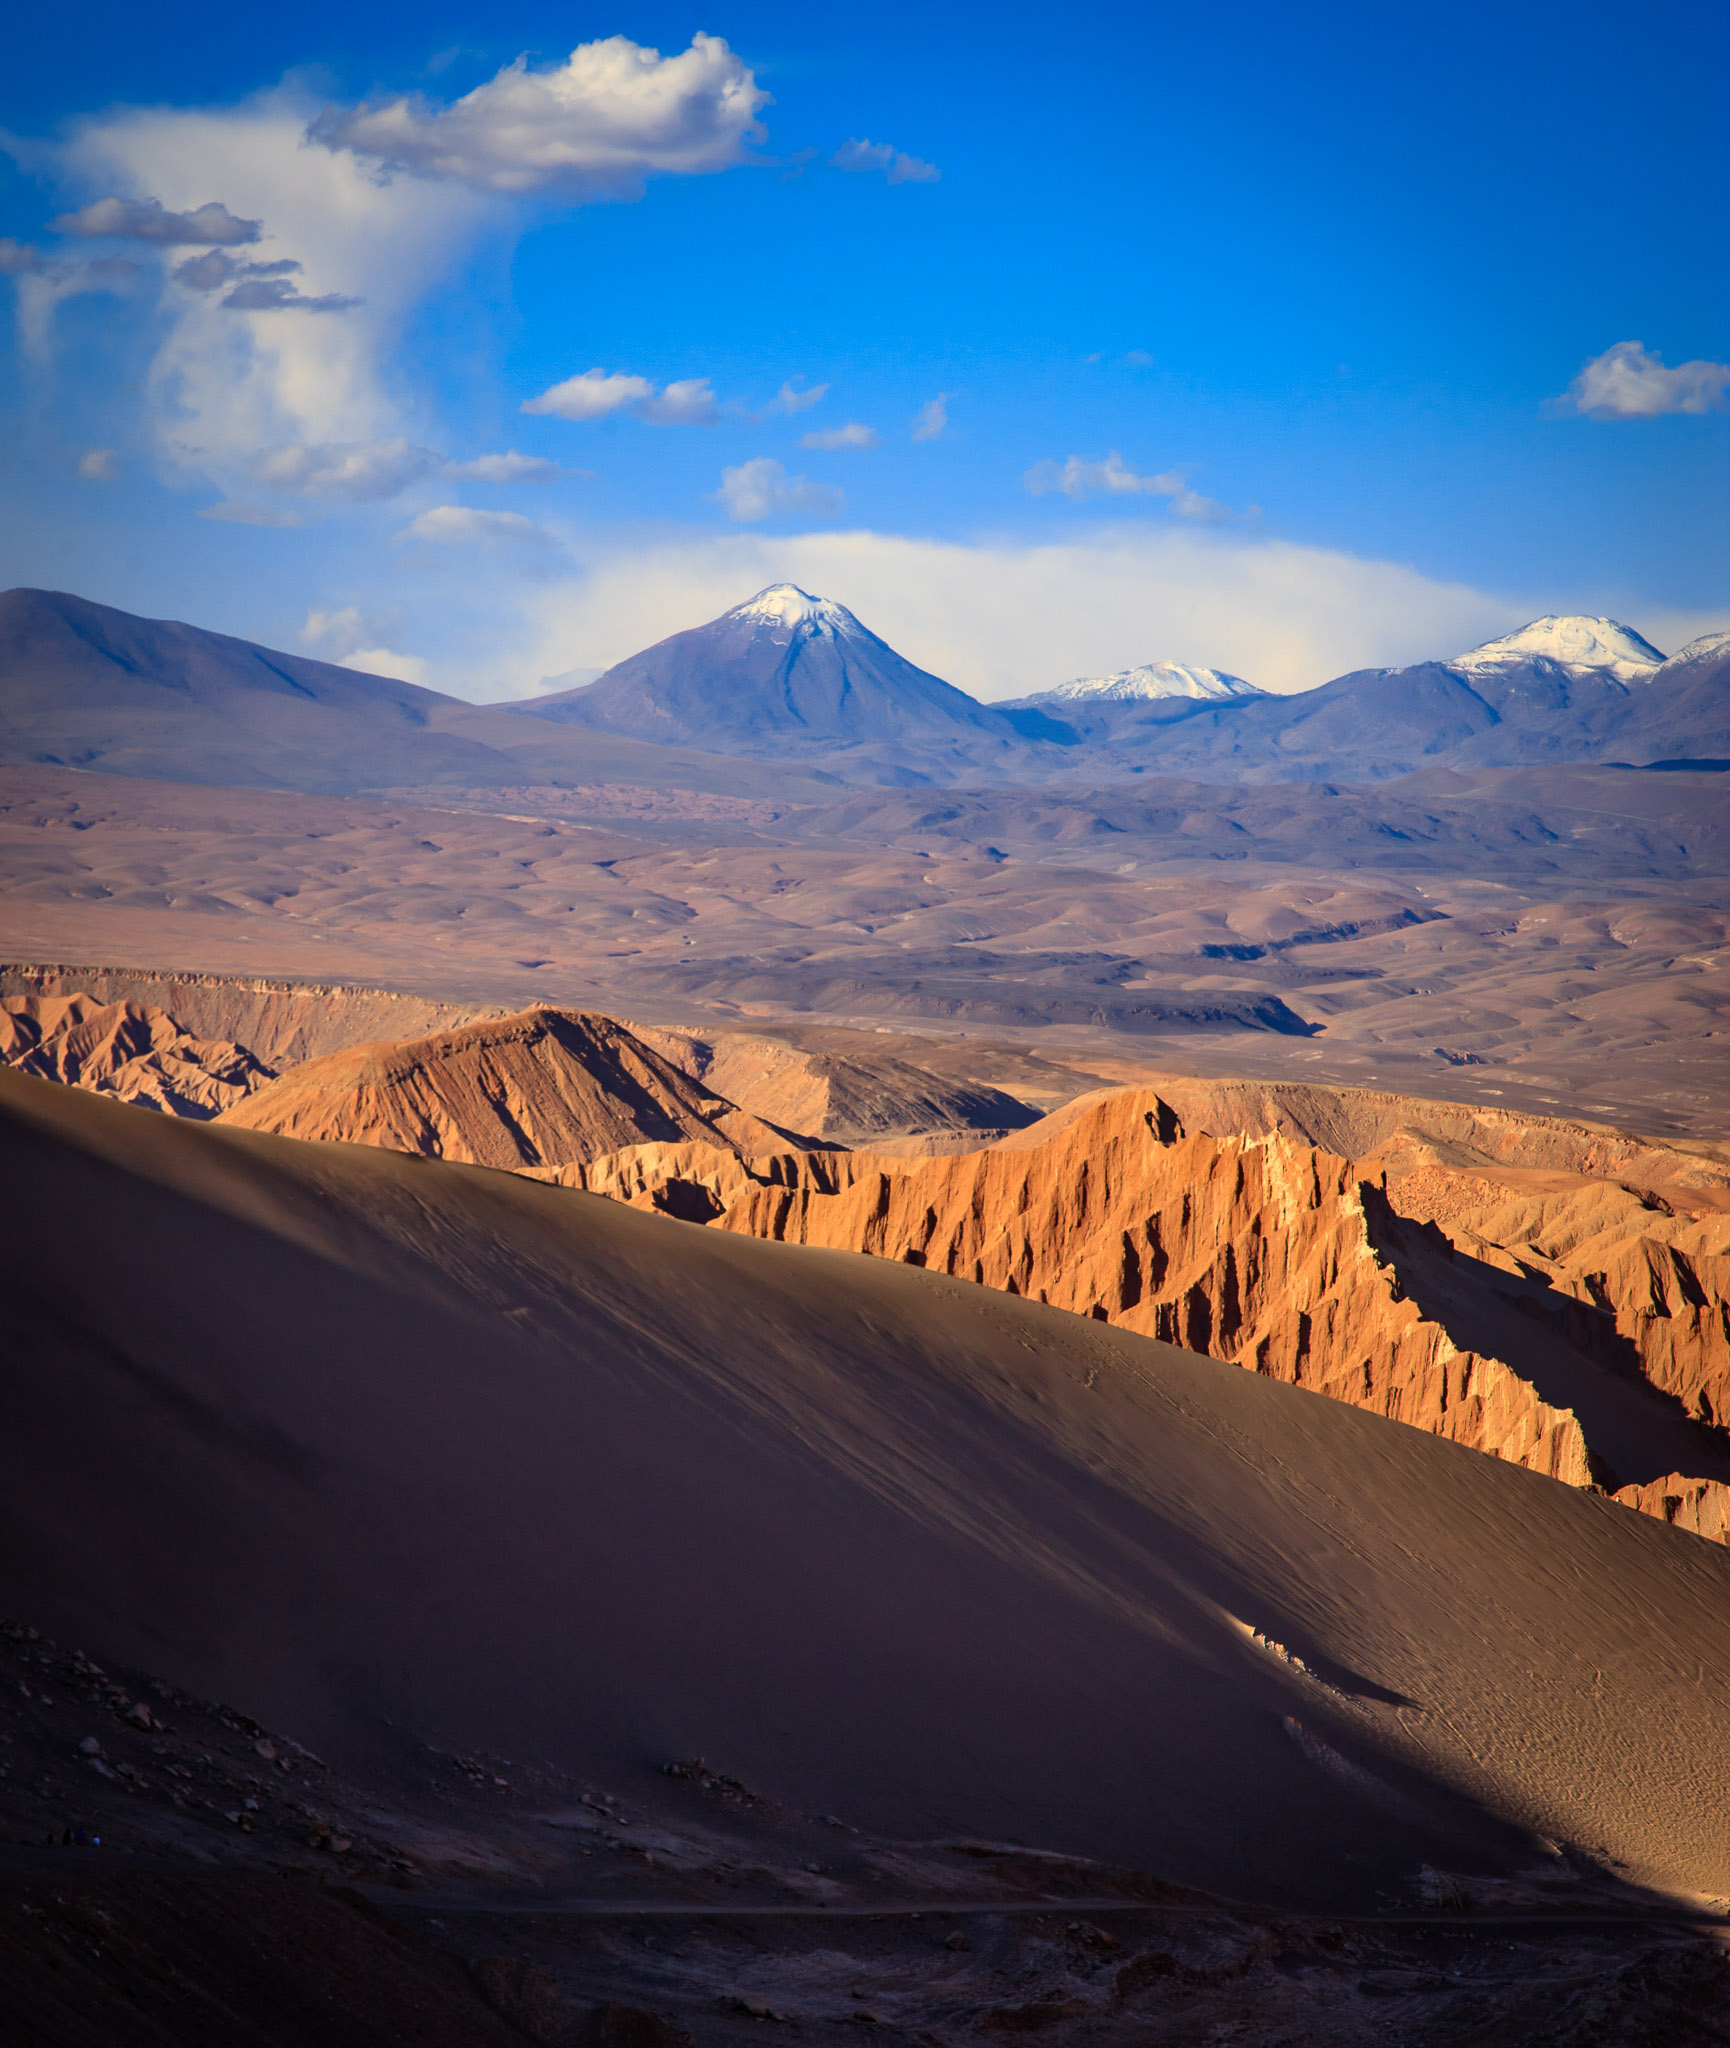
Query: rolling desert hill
point(1554, 941)
point(390, 1452)
point(543, 1088)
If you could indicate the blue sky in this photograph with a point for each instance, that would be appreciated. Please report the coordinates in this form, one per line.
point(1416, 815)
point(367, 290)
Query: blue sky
point(1247, 337)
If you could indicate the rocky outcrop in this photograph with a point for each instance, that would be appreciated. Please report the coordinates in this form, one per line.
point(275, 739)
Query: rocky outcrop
point(130, 1050)
point(1298, 1264)
point(541, 1089)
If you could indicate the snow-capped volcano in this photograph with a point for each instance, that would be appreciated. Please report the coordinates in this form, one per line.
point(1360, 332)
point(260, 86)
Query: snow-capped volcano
point(785, 604)
point(785, 672)
point(1586, 646)
point(1153, 679)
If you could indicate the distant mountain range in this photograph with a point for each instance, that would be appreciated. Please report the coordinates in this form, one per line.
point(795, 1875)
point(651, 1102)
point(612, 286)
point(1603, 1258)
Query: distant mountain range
point(789, 696)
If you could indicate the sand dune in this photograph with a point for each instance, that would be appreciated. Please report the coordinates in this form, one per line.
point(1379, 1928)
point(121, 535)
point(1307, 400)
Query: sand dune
point(389, 1451)
point(537, 1089)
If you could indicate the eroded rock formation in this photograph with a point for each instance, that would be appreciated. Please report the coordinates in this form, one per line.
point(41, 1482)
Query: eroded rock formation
point(540, 1089)
point(130, 1050)
point(1604, 1367)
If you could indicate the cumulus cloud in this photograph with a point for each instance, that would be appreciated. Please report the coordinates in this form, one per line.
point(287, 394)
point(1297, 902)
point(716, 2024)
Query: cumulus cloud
point(593, 127)
point(1627, 383)
point(148, 220)
point(511, 468)
point(232, 512)
point(688, 402)
point(1003, 620)
point(853, 435)
point(900, 169)
point(357, 471)
point(100, 465)
point(1077, 478)
point(931, 418)
point(759, 489)
point(463, 526)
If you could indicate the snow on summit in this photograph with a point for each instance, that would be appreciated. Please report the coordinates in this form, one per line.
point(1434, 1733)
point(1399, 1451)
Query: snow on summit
point(1601, 645)
point(785, 604)
point(1151, 680)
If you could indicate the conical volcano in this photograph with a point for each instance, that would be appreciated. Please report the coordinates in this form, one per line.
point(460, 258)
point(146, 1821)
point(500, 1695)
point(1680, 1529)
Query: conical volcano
point(785, 672)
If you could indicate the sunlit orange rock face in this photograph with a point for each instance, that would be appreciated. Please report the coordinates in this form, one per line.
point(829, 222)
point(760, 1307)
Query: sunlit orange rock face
point(1601, 1366)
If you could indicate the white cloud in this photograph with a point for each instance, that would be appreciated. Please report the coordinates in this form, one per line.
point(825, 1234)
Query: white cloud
point(853, 435)
point(591, 396)
point(1077, 478)
point(932, 418)
point(463, 526)
point(901, 169)
point(347, 636)
point(688, 402)
point(19, 259)
point(101, 465)
point(790, 401)
point(1002, 620)
point(591, 128)
point(510, 468)
point(233, 513)
point(356, 471)
point(756, 490)
point(148, 220)
point(44, 280)
point(1626, 383)
point(230, 381)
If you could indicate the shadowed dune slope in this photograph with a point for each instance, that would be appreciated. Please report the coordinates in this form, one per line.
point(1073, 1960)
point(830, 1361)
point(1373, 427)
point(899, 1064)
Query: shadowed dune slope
point(538, 1089)
point(389, 1451)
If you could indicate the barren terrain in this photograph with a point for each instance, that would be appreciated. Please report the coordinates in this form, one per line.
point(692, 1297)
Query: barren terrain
point(1116, 948)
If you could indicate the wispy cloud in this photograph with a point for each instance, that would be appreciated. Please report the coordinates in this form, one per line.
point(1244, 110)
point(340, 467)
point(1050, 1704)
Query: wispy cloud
point(932, 418)
point(358, 471)
point(1079, 478)
point(1628, 383)
point(595, 394)
point(593, 127)
point(511, 468)
point(853, 435)
point(759, 489)
point(232, 512)
point(99, 465)
point(788, 400)
point(856, 154)
point(358, 639)
point(464, 526)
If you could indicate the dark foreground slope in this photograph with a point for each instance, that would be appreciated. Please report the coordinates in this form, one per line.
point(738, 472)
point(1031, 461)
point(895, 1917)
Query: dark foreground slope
point(390, 1452)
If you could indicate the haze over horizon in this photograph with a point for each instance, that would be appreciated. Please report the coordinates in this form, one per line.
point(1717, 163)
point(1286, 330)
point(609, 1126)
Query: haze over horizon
point(480, 362)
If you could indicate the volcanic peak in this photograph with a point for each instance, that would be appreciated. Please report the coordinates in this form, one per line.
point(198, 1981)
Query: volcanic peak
point(785, 604)
point(1603, 646)
point(1152, 679)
